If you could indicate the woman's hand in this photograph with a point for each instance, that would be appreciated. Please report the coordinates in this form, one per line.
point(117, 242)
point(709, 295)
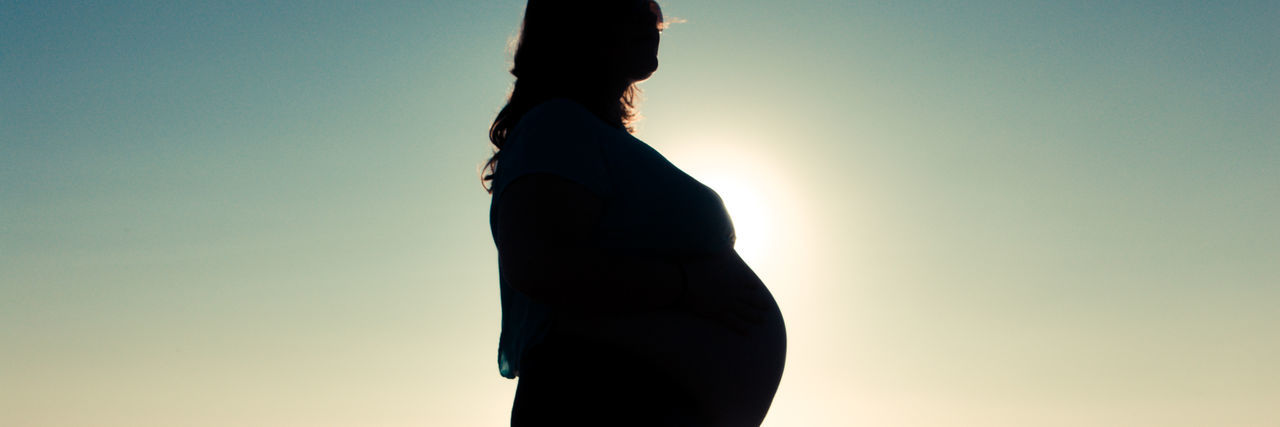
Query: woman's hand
point(721, 287)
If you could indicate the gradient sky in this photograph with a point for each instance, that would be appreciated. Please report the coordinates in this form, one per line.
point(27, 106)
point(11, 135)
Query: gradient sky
point(978, 213)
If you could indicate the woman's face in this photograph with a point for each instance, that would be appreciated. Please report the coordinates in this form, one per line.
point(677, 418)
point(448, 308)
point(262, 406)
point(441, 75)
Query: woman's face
point(640, 28)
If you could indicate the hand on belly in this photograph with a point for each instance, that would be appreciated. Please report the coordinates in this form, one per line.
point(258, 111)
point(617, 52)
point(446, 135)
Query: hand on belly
point(721, 287)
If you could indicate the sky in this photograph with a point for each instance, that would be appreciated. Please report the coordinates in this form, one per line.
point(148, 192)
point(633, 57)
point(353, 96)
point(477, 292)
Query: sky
point(980, 213)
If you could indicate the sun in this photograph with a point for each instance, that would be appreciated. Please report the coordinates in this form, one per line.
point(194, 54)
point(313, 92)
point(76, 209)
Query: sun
point(753, 220)
point(744, 182)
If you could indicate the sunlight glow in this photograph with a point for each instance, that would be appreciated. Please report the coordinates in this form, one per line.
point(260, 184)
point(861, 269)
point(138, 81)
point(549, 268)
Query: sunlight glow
point(747, 183)
point(753, 220)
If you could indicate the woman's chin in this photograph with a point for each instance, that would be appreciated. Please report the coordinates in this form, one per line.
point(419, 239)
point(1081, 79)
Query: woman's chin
point(646, 72)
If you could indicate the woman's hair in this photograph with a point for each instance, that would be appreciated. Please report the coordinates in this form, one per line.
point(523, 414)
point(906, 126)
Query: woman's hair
point(564, 51)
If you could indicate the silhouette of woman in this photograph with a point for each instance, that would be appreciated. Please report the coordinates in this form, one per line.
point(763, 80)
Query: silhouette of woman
point(623, 300)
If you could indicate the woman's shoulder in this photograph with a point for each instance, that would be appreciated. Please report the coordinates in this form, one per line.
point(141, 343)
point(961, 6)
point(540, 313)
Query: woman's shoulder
point(557, 125)
point(560, 137)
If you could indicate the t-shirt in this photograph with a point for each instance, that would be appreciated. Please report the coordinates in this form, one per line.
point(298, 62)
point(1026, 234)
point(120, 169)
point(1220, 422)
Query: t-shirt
point(650, 205)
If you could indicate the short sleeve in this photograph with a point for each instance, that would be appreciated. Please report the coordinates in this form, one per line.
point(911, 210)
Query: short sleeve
point(561, 138)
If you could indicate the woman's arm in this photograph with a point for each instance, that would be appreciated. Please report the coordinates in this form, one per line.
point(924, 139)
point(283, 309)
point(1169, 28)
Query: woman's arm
point(545, 229)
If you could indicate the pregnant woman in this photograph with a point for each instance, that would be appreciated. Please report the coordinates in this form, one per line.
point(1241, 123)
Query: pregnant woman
point(623, 300)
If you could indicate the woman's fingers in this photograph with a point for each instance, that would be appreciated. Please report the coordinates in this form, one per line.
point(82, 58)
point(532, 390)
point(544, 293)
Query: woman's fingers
point(744, 313)
point(733, 312)
point(735, 322)
point(749, 310)
point(756, 298)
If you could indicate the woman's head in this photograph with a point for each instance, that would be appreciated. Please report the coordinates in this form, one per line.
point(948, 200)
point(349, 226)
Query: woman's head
point(603, 42)
point(591, 51)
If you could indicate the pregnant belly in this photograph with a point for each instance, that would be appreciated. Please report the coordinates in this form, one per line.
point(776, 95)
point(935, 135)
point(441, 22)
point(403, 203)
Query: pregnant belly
point(733, 375)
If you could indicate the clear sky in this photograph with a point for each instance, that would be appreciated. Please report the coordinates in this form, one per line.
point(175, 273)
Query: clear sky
point(978, 213)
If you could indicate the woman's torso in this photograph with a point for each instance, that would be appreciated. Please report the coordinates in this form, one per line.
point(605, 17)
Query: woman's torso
point(652, 207)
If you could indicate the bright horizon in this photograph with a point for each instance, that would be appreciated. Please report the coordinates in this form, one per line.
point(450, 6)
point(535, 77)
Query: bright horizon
point(977, 214)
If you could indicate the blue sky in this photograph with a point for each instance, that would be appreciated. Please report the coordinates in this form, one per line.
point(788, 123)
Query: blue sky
point(972, 213)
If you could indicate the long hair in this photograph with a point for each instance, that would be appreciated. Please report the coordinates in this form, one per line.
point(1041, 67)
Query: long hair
point(563, 52)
